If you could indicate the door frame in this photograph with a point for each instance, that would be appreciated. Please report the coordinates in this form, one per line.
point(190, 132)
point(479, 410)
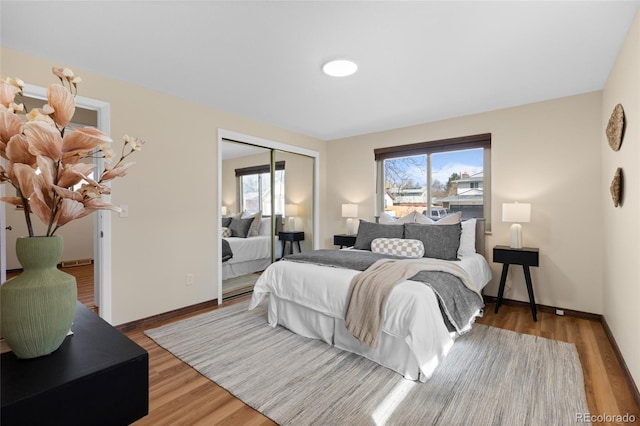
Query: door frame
point(3, 234)
point(266, 143)
point(102, 219)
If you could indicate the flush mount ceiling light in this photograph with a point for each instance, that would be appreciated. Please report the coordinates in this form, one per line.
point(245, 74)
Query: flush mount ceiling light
point(340, 68)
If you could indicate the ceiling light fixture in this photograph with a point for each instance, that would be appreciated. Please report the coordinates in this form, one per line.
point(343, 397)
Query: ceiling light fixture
point(340, 68)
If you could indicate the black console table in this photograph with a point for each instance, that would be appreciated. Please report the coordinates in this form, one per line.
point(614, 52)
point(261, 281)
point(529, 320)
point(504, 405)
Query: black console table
point(98, 377)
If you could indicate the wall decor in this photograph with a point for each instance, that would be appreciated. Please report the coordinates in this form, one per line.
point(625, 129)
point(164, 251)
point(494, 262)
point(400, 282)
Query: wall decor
point(616, 188)
point(615, 127)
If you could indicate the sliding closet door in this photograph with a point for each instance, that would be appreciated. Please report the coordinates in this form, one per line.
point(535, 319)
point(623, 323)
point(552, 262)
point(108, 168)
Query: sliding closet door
point(246, 195)
point(297, 201)
point(278, 186)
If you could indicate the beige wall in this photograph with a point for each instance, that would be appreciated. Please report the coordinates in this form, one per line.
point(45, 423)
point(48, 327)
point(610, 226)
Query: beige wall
point(547, 154)
point(621, 240)
point(171, 191)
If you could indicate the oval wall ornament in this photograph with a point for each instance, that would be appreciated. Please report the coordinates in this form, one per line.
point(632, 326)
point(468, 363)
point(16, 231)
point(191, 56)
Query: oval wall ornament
point(615, 127)
point(616, 188)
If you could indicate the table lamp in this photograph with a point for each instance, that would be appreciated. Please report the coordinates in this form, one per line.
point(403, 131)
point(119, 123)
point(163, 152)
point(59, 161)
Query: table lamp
point(350, 211)
point(291, 211)
point(517, 213)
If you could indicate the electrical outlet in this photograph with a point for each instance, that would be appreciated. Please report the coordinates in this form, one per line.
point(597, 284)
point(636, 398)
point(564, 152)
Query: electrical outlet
point(124, 210)
point(559, 312)
point(189, 279)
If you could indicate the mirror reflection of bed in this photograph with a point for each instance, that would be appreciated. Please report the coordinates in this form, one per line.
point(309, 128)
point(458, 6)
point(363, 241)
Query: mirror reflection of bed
point(259, 188)
point(251, 255)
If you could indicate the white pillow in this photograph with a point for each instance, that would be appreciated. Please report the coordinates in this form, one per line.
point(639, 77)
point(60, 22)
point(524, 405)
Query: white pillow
point(468, 238)
point(398, 247)
point(254, 230)
point(226, 232)
point(450, 219)
point(388, 219)
point(265, 226)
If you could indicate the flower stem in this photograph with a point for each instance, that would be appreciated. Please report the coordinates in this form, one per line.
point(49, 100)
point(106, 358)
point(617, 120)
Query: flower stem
point(27, 215)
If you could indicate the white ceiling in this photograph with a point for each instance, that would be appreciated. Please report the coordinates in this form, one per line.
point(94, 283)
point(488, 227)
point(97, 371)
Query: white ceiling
point(418, 61)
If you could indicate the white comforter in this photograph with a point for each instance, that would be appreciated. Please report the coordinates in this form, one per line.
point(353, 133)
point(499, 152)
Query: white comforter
point(412, 311)
point(250, 248)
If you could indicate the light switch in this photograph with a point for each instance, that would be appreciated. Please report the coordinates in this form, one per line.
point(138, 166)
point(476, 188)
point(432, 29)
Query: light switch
point(124, 210)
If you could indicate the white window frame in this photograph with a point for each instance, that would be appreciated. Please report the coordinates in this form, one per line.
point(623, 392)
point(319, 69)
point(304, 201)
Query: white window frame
point(241, 198)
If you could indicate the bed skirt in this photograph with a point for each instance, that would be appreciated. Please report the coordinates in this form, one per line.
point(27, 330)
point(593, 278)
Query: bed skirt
point(232, 270)
point(392, 352)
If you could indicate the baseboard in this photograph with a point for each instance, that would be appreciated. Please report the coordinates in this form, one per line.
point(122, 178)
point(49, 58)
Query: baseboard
point(166, 316)
point(623, 365)
point(547, 309)
point(75, 262)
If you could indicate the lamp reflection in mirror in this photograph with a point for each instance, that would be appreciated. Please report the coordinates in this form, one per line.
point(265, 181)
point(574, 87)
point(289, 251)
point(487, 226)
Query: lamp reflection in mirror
point(517, 213)
point(291, 211)
point(223, 210)
point(350, 211)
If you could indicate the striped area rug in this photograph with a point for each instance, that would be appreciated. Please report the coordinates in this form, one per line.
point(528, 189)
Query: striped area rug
point(490, 377)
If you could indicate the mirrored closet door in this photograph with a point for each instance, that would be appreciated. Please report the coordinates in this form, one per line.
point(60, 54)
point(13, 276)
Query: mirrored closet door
point(298, 197)
point(247, 236)
point(267, 198)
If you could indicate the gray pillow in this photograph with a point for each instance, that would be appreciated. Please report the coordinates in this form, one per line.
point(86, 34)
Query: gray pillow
point(369, 231)
point(440, 241)
point(240, 227)
point(226, 221)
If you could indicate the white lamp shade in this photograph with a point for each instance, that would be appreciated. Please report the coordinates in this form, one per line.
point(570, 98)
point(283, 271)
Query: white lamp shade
point(223, 210)
point(349, 210)
point(516, 212)
point(291, 210)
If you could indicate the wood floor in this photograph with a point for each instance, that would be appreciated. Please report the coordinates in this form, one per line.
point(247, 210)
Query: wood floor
point(178, 395)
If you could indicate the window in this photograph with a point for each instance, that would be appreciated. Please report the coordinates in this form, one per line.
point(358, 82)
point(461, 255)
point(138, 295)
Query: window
point(255, 188)
point(436, 178)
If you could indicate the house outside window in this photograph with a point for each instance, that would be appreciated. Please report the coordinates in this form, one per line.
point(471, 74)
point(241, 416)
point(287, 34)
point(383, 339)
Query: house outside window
point(436, 178)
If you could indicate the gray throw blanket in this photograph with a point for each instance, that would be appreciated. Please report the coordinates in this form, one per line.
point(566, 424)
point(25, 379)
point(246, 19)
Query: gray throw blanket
point(226, 250)
point(458, 303)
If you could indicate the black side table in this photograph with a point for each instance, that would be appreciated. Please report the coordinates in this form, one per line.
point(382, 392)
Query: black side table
point(291, 237)
point(98, 376)
point(344, 240)
point(526, 256)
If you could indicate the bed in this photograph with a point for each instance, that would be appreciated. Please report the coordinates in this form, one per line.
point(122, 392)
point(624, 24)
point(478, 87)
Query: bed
point(311, 300)
point(251, 253)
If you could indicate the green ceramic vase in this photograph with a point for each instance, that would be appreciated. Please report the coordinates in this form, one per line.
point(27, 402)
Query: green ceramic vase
point(38, 306)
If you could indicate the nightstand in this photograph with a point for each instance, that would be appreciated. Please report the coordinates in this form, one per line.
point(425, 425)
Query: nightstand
point(291, 237)
point(344, 240)
point(526, 256)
